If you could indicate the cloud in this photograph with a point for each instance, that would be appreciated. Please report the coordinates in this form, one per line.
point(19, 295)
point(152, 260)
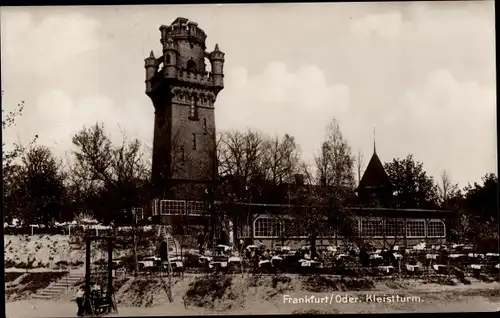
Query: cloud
point(422, 73)
point(451, 119)
point(382, 25)
point(279, 100)
point(54, 41)
point(425, 22)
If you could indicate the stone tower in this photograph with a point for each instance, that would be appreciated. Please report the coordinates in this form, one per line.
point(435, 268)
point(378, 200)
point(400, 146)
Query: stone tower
point(183, 95)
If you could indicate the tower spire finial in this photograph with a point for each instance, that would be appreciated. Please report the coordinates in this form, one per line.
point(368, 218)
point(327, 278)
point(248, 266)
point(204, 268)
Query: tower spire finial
point(374, 146)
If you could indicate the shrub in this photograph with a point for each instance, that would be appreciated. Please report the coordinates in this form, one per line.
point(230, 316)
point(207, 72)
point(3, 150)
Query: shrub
point(10, 277)
point(322, 284)
point(205, 291)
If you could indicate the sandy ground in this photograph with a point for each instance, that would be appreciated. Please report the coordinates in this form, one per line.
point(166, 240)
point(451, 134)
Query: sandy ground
point(477, 297)
point(38, 308)
point(44, 250)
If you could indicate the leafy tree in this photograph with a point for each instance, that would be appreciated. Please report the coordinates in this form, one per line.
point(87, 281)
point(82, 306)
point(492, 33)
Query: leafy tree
point(482, 199)
point(37, 191)
point(413, 187)
point(11, 166)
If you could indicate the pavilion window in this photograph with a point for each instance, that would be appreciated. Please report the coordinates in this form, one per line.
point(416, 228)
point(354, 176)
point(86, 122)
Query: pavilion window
point(372, 228)
point(435, 229)
point(264, 227)
point(415, 228)
point(394, 228)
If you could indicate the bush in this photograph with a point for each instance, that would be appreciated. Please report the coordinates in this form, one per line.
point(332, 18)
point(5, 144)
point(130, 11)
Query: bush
point(319, 284)
point(280, 280)
point(10, 277)
point(205, 291)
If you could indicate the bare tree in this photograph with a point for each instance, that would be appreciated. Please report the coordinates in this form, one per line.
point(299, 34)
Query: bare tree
point(281, 159)
point(11, 165)
point(335, 164)
point(9, 122)
point(330, 188)
point(119, 169)
point(240, 158)
point(359, 165)
point(446, 189)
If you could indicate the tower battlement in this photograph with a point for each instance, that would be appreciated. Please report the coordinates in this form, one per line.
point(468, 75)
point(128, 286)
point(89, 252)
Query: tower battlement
point(204, 79)
point(184, 58)
point(182, 28)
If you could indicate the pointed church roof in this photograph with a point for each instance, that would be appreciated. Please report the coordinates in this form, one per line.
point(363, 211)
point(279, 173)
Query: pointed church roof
point(375, 175)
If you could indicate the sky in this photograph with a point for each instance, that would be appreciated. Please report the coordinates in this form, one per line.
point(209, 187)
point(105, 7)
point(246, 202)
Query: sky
point(421, 73)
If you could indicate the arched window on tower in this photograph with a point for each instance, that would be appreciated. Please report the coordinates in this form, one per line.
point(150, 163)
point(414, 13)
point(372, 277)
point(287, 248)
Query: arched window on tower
point(191, 65)
point(194, 141)
point(208, 65)
point(168, 59)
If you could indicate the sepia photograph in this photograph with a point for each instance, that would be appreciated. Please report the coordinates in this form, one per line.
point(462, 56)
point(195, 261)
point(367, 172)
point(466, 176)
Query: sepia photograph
point(209, 159)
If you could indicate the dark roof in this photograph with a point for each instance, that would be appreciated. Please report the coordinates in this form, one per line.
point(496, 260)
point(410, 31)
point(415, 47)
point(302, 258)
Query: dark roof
point(375, 175)
point(358, 211)
point(407, 213)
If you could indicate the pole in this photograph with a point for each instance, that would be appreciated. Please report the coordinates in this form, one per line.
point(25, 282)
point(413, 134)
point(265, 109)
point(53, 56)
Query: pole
point(134, 243)
point(169, 268)
point(110, 275)
point(87, 308)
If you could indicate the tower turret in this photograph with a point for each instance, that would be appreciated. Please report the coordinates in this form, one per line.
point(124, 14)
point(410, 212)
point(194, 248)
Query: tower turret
point(151, 66)
point(217, 61)
point(170, 53)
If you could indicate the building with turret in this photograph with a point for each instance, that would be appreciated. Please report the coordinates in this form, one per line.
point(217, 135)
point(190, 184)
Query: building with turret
point(378, 221)
point(183, 94)
point(184, 169)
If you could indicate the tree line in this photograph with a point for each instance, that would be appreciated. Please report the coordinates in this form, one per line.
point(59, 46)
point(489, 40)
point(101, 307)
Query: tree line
point(108, 180)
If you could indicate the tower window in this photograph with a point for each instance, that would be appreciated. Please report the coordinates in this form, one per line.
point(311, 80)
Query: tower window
point(168, 58)
point(191, 65)
point(194, 141)
point(193, 110)
point(205, 126)
point(182, 154)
